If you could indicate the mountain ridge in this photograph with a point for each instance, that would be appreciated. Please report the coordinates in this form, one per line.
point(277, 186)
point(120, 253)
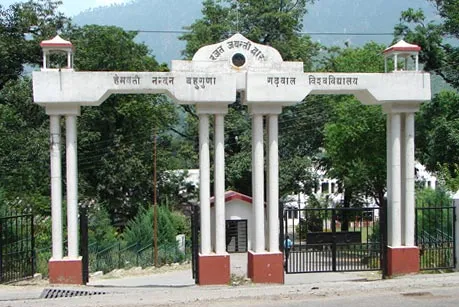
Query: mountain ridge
point(349, 16)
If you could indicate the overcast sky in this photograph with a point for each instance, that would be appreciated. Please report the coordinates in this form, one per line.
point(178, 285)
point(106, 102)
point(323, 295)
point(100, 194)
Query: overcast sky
point(73, 7)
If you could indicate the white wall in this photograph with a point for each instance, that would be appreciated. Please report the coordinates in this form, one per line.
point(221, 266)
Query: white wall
point(238, 210)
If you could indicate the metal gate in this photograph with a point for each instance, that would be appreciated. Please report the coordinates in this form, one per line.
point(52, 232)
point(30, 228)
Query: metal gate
point(334, 239)
point(84, 240)
point(16, 248)
point(195, 234)
point(435, 237)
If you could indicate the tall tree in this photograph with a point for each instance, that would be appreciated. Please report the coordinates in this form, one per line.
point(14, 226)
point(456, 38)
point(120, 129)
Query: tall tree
point(24, 149)
point(116, 138)
point(436, 128)
point(439, 53)
point(24, 157)
point(22, 27)
point(355, 141)
point(274, 22)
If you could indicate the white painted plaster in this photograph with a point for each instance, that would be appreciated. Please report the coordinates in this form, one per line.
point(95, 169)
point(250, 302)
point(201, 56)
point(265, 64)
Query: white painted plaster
point(56, 186)
point(204, 183)
point(72, 185)
point(258, 182)
point(273, 183)
point(220, 246)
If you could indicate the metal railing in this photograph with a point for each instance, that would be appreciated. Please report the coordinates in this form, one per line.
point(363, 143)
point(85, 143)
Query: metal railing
point(334, 239)
point(435, 237)
point(118, 256)
point(16, 247)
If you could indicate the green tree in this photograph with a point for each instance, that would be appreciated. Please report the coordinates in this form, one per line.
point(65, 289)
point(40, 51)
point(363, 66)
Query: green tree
point(22, 27)
point(436, 123)
point(24, 149)
point(355, 141)
point(439, 54)
point(355, 151)
point(140, 229)
point(274, 22)
point(437, 130)
point(116, 138)
point(100, 230)
point(429, 220)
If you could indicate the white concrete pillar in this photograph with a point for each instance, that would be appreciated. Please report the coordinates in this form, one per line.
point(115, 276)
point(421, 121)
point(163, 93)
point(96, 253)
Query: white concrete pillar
point(395, 62)
point(204, 182)
point(394, 208)
point(69, 60)
point(72, 186)
point(258, 243)
point(417, 62)
point(273, 183)
point(389, 174)
point(56, 186)
point(220, 240)
point(402, 179)
point(409, 172)
point(45, 59)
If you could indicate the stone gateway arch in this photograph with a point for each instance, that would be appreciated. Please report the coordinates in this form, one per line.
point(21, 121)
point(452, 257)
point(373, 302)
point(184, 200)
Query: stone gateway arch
point(210, 81)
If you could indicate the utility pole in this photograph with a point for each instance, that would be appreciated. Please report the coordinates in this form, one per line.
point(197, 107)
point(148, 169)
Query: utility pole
point(155, 206)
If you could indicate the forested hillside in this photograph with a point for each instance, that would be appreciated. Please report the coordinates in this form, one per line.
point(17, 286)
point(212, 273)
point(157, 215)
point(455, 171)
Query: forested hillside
point(340, 16)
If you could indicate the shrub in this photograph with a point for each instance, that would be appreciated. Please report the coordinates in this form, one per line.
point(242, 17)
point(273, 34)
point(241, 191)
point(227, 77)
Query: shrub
point(140, 229)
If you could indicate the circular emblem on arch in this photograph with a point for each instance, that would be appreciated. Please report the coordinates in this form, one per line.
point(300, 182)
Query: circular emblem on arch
point(238, 59)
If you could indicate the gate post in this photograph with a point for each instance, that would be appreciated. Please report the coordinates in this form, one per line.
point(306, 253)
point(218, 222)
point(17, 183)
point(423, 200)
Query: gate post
point(84, 242)
point(333, 229)
point(456, 236)
point(1, 249)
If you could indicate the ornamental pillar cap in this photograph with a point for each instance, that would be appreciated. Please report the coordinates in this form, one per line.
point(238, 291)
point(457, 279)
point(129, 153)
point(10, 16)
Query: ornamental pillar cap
point(57, 45)
point(405, 51)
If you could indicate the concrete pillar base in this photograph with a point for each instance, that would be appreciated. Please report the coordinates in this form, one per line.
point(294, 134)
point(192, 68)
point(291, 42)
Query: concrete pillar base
point(402, 260)
point(66, 271)
point(266, 267)
point(214, 269)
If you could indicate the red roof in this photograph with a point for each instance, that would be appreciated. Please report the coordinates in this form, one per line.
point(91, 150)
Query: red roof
point(232, 195)
point(403, 47)
point(57, 42)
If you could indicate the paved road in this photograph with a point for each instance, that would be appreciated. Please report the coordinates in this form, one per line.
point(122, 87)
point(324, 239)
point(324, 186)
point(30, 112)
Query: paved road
point(176, 288)
point(313, 290)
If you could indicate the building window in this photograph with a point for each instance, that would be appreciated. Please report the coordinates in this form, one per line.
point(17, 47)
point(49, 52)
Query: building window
point(292, 213)
point(236, 236)
point(325, 187)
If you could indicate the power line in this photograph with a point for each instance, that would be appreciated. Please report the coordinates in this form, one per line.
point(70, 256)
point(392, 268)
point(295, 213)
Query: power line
point(301, 33)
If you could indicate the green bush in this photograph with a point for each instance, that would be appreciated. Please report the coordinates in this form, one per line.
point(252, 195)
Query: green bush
point(140, 229)
point(436, 219)
point(313, 221)
point(101, 234)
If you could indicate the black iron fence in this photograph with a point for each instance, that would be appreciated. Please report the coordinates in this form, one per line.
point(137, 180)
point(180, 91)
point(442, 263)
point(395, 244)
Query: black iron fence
point(195, 241)
point(16, 247)
point(119, 256)
point(334, 239)
point(435, 237)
